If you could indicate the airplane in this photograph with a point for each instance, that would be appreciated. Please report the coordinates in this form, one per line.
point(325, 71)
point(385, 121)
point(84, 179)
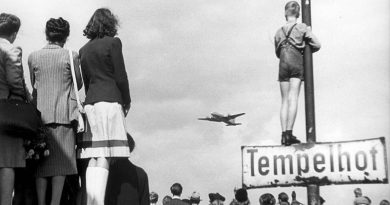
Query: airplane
point(229, 119)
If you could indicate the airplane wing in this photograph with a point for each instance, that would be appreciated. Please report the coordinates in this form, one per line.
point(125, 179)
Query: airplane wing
point(232, 124)
point(234, 116)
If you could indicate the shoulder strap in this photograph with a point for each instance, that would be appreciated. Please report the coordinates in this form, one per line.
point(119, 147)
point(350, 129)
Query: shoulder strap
point(289, 31)
point(75, 80)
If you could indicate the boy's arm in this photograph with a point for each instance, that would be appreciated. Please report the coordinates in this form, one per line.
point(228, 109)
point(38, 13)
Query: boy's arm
point(277, 40)
point(312, 40)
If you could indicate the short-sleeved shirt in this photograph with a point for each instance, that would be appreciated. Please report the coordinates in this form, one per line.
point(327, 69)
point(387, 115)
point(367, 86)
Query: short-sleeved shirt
point(299, 34)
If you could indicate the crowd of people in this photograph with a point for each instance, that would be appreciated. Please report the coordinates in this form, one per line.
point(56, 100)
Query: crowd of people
point(95, 169)
point(241, 198)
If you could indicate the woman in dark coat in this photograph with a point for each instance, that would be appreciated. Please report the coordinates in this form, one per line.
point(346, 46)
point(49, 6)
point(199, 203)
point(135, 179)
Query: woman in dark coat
point(12, 86)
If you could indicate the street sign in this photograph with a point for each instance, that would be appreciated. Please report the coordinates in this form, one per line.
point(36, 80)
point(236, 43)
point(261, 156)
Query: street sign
point(351, 162)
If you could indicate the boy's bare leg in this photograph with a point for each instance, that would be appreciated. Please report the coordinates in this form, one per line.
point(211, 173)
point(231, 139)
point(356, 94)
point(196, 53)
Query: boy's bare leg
point(293, 95)
point(284, 88)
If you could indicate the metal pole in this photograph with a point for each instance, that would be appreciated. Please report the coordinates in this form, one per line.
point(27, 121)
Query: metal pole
point(313, 190)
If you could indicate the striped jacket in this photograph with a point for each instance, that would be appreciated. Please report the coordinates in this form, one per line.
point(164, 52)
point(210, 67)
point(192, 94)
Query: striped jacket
point(51, 80)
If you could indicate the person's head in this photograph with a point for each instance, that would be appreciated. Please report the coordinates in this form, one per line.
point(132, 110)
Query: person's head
point(283, 197)
point(216, 199)
point(153, 196)
point(166, 200)
point(267, 199)
point(384, 202)
point(9, 26)
point(176, 189)
point(241, 195)
point(292, 10)
point(358, 192)
point(131, 142)
point(195, 198)
point(102, 23)
point(57, 30)
point(293, 195)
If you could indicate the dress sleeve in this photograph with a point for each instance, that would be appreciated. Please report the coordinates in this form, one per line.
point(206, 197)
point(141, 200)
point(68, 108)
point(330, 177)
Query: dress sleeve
point(14, 72)
point(120, 70)
point(312, 40)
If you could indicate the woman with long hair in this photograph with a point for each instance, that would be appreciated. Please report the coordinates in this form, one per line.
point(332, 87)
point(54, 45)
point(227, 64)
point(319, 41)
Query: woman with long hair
point(107, 101)
point(51, 78)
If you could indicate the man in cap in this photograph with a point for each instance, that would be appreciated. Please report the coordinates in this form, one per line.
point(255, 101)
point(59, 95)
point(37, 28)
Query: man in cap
point(267, 199)
point(283, 199)
point(153, 198)
point(176, 190)
point(195, 198)
point(216, 199)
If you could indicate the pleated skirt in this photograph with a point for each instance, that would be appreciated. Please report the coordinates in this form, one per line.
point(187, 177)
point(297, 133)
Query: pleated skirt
point(62, 158)
point(106, 134)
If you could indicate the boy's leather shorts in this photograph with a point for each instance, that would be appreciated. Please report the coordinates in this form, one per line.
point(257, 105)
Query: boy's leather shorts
point(291, 64)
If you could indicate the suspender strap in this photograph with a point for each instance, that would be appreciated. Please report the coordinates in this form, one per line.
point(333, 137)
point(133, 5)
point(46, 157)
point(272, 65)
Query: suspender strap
point(289, 32)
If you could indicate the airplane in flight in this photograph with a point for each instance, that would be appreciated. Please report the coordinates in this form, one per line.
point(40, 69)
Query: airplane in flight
point(229, 119)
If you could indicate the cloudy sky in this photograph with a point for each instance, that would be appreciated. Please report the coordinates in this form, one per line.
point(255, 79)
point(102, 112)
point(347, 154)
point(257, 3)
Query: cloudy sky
point(187, 58)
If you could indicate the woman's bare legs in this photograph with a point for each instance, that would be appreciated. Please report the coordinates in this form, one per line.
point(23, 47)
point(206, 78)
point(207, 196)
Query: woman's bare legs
point(41, 184)
point(96, 180)
point(57, 185)
point(7, 180)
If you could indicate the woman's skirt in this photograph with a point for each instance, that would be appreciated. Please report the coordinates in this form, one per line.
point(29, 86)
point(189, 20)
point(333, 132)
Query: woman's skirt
point(12, 152)
point(106, 134)
point(62, 158)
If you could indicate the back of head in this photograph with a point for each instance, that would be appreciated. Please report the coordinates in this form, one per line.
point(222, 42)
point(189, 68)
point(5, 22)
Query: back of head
point(241, 195)
point(153, 196)
point(384, 202)
point(131, 142)
point(9, 24)
point(358, 192)
point(292, 8)
point(283, 197)
point(166, 200)
point(267, 199)
point(102, 23)
point(57, 30)
point(176, 189)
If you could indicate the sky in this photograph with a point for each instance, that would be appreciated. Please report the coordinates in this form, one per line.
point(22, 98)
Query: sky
point(188, 58)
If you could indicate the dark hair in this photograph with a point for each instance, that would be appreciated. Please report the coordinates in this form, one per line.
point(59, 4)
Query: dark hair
point(283, 197)
point(176, 189)
point(57, 30)
point(166, 200)
point(267, 199)
point(292, 8)
point(9, 24)
point(131, 142)
point(102, 23)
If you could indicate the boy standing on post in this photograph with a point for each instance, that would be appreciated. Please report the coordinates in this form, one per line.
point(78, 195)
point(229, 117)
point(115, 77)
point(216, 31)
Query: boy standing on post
point(290, 41)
